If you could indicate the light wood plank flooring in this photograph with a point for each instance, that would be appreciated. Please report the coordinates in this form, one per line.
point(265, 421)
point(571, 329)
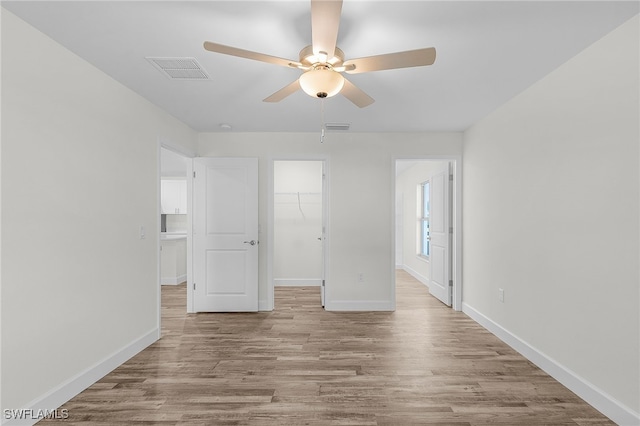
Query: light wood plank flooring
point(299, 365)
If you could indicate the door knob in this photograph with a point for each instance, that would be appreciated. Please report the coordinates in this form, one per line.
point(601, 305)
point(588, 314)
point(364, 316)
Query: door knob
point(252, 242)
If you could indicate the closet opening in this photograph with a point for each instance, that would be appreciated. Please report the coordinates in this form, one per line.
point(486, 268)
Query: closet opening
point(299, 231)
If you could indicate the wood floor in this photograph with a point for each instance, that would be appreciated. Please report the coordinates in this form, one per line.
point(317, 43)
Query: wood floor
point(299, 365)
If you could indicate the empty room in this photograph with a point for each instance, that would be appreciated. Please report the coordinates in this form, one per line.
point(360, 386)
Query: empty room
point(320, 212)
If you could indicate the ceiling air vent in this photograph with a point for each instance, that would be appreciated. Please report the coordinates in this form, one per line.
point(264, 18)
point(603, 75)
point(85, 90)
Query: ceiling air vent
point(337, 126)
point(179, 68)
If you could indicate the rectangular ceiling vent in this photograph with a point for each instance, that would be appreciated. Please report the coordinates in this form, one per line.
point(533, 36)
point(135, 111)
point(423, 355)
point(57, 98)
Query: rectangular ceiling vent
point(179, 68)
point(337, 126)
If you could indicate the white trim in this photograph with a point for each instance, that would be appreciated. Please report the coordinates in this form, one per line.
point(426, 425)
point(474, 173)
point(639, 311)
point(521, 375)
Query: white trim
point(456, 250)
point(424, 280)
point(269, 304)
point(593, 395)
point(173, 280)
point(176, 147)
point(393, 226)
point(297, 282)
point(157, 227)
point(360, 305)
point(190, 203)
point(263, 305)
point(81, 381)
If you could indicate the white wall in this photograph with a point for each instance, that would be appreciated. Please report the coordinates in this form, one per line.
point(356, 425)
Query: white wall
point(361, 172)
point(297, 206)
point(79, 177)
point(406, 184)
point(172, 164)
point(551, 190)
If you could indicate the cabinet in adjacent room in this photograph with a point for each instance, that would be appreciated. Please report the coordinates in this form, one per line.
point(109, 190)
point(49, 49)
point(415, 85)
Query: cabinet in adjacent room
point(173, 194)
point(173, 259)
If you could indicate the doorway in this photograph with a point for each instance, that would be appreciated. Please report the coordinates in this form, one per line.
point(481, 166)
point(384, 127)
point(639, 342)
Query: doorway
point(173, 208)
point(427, 225)
point(298, 220)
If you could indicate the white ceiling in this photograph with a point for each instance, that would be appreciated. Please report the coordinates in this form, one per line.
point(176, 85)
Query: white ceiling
point(487, 52)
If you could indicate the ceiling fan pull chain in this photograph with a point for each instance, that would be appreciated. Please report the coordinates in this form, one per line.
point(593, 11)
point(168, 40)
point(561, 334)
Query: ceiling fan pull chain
point(322, 123)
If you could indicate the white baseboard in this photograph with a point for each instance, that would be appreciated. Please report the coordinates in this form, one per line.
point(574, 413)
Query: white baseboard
point(297, 282)
point(173, 280)
point(597, 398)
point(264, 306)
point(72, 387)
point(359, 305)
point(415, 274)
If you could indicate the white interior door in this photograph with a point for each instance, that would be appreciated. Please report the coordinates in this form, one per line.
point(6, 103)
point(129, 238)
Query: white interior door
point(440, 237)
point(225, 235)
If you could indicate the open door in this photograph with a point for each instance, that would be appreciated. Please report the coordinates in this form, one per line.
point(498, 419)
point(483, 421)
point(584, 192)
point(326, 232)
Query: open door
point(225, 235)
point(439, 233)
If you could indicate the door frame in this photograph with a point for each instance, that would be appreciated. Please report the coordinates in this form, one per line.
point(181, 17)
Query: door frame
point(456, 221)
point(176, 148)
point(269, 304)
point(190, 297)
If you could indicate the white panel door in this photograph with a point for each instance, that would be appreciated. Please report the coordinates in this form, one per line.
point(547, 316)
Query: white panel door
point(439, 223)
point(225, 235)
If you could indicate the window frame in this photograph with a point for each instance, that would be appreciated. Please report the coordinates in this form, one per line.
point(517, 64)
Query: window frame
point(424, 241)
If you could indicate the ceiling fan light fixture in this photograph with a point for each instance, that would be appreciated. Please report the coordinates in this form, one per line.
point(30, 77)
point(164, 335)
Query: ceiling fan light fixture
point(321, 82)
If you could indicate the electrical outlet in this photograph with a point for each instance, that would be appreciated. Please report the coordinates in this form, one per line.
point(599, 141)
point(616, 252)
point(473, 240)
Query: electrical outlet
point(501, 295)
point(360, 277)
point(143, 234)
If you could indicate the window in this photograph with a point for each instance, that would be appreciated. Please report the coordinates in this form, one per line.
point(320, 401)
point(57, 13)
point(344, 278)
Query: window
point(423, 225)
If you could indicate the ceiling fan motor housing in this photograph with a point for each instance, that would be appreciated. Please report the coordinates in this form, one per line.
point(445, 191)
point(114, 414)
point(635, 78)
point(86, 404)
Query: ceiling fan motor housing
point(308, 58)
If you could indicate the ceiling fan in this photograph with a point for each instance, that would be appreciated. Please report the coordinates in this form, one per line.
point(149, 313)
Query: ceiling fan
point(323, 62)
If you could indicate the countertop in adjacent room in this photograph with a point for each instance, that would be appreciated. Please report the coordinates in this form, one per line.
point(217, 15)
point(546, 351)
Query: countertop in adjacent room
point(172, 236)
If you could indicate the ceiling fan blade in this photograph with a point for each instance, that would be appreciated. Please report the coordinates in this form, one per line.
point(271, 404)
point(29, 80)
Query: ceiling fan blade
point(284, 92)
point(234, 51)
point(355, 95)
point(410, 58)
point(325, 21)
